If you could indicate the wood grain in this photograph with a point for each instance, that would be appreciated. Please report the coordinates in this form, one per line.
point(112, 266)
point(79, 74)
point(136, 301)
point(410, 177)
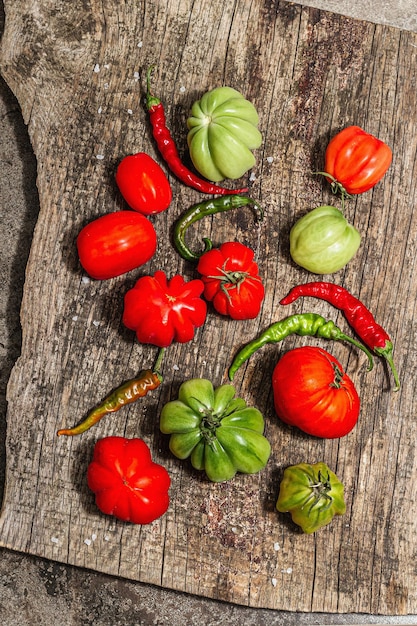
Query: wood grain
point(77, 70)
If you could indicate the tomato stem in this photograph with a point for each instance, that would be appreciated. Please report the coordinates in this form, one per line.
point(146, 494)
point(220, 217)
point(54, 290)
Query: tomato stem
point(338, 376)
point(319, 490)
point(232, 279)
point(336, 187)
point(210, 421)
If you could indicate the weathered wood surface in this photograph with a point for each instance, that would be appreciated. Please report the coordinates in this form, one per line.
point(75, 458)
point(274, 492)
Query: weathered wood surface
point(77, 70)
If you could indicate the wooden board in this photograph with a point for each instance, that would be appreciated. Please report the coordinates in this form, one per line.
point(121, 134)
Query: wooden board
point(78, 72)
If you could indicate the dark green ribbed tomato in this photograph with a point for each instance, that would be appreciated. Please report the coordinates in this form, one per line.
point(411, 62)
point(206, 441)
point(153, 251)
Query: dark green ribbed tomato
point(218, 432)
point(312, 494)
point(222, 134)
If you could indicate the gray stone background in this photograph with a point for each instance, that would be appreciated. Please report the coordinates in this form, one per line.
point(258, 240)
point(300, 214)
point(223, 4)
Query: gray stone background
point(37, 591)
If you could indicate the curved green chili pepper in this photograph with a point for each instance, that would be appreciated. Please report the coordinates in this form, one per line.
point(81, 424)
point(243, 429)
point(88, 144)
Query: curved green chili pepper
point(305, 324)
point(202, 209)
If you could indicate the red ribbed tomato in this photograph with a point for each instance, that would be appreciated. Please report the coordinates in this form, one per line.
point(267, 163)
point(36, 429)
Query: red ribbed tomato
point(231, 280)
point(126, 482)
point(313, 393)
point(355, 161)
point(161, 311)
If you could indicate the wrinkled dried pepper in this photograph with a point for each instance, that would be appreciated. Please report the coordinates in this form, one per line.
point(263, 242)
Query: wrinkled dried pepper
point(128, 392)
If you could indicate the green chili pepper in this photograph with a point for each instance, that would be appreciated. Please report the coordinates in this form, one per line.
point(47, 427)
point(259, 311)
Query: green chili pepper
point(127, 393)
point(202, 209)
point(305, 324)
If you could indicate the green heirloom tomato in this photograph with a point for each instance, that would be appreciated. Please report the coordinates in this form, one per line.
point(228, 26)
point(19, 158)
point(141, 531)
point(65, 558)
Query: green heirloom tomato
point(322, 241)
point(222, 133)
point(220, 433)
point(312, 494)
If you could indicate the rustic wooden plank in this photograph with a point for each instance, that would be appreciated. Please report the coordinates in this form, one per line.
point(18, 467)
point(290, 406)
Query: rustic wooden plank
point(78, 73)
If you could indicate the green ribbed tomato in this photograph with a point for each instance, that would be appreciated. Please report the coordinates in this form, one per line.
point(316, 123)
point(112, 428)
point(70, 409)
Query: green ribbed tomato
point(218, 432)
point(222, 134)
point(313, 495)
point(323, 241)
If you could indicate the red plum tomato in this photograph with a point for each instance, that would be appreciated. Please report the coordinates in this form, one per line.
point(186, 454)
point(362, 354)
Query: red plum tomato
point(143, 184)
point(116, 243)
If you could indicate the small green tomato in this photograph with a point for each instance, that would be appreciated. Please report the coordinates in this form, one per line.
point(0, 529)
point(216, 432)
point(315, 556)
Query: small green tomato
point(312, 494)
point(323, 241)
point(222, 134)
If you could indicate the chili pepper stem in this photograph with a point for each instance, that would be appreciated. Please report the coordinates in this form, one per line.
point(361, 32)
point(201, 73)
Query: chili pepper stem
point(151, 100)
point(159, 359)
point(386, 353)
point(361, 346)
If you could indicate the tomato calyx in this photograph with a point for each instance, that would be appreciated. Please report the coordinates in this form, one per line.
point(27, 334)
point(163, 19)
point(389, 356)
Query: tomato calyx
point(210, 420)
point(229, 279)
point(319, 491)
point(338, 377)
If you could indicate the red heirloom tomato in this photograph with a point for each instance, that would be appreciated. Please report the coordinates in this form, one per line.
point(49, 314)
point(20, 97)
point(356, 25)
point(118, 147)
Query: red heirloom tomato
point(312, 392)
point(143, 184)
point(116, 243)
point(231, 280)
point(162, 311)
point(126, 482)
point(355, 161)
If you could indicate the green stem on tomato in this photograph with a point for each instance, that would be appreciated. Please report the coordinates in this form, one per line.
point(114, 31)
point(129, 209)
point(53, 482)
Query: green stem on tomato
point(336, 187)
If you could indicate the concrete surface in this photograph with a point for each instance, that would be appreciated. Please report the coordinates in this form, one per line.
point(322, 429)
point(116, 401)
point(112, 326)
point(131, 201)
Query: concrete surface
point(399, 13)
point(36, 591)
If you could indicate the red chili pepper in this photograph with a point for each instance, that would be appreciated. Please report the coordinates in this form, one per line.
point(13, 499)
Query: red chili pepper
point(168, 149)
point(356, 313)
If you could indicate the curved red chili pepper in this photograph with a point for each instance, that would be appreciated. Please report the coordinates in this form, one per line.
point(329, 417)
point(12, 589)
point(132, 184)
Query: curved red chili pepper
point(168, 149)
point(356, 313)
